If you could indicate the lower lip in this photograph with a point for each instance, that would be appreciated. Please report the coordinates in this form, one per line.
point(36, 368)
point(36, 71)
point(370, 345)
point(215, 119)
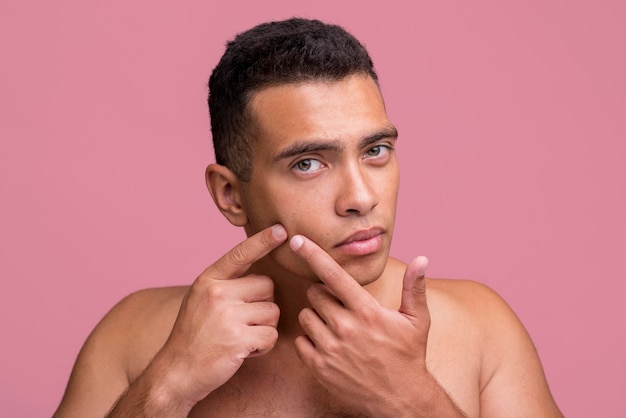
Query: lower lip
point(363, 247)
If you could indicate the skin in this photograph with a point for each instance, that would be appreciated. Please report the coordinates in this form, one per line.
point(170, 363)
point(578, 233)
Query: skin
point(310, 316)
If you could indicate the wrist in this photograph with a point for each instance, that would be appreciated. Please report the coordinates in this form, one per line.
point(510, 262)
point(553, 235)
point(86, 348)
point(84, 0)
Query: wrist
point(434, 401)
point(152, 394)
point(166, 386)
point(145, 399)
point(420, 398)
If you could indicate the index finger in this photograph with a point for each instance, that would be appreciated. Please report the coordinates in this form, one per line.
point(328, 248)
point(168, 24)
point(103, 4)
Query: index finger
point(343, 286)
point(240, 258)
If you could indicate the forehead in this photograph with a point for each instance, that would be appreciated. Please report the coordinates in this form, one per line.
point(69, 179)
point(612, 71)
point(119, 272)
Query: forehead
point(344, 110)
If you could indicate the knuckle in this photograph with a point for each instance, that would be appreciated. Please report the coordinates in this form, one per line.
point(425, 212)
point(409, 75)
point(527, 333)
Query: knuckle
point(419, 291)
point(269, 336)
point(202, 282)
point(313, 293)
point(367, 314)
point(235, 335)
point(345, 328)
point(268, 313)
point(265, 240)
point(274, 310)
point(238, 255)
point(320, 365)
point(265, 281)
point(305, 319)
point(333, 275)
point(263, 341)
point(332, 347)
point(215, 292)
point(264, 285)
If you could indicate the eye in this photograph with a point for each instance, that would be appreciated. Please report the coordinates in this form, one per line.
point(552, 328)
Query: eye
point(377, 150)
point(308, 165)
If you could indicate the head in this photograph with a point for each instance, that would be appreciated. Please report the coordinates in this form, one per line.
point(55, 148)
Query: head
point(306, 142)
point(270, 54)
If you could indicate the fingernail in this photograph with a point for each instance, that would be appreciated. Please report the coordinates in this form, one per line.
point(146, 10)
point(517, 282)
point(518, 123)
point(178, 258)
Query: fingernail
point(423, 263)
point(278, 232)
point(296, 242)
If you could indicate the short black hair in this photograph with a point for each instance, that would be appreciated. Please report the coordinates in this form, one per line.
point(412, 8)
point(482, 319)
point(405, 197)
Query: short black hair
point(289, 51)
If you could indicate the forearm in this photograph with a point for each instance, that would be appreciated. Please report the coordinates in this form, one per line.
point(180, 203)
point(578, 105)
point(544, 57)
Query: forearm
point(150, 395)
point(424, 400)
point(435, 402)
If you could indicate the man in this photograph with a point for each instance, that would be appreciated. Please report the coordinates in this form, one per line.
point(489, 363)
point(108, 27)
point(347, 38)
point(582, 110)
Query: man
point(309, 316)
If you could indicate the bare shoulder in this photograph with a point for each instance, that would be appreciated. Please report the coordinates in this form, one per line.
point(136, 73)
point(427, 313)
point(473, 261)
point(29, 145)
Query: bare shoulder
point(137, 327)
point(470, 299)
point(480, 316)
point(120, 347)
point(147, 311)
point(512, 382)
point(142, 319)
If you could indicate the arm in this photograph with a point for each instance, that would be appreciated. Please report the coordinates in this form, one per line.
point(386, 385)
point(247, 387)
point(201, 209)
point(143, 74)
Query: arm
point(223, 319)
point(100, 374)
point(371, 357)
point(513, 382)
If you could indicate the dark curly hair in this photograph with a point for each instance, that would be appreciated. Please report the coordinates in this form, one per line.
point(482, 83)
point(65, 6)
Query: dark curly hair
point(288, 51)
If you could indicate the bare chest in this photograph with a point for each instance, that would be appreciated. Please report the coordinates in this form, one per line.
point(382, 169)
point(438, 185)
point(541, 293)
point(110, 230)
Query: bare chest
point(267, 389)
point(280, 386)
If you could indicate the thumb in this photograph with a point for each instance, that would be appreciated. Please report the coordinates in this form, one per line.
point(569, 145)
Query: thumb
point(413, 303)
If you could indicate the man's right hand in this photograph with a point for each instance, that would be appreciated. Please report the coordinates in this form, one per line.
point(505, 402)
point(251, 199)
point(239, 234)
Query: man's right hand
point(223, 319)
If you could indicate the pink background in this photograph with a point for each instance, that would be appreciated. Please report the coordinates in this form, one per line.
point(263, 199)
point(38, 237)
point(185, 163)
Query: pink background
point(511, 117)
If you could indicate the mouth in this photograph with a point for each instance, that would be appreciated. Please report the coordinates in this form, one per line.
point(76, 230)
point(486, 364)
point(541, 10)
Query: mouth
point(362, 242)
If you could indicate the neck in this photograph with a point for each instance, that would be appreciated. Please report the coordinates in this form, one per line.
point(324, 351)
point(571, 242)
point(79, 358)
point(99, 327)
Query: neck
point(290, 291)
point(289, 295)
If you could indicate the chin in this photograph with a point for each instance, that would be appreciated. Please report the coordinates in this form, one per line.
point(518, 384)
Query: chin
point(366, 271)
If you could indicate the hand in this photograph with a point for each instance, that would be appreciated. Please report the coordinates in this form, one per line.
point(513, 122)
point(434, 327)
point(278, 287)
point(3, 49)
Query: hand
point(223, 319)
point(371, 357)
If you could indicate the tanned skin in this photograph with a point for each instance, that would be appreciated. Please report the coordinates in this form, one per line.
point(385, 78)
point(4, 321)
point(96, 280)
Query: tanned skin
point(310, 316)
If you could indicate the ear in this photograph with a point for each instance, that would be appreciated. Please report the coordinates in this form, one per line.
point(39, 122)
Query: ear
point(225, 188)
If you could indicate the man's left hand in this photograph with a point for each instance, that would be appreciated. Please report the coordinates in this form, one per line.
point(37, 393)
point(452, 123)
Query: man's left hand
point(370, 356)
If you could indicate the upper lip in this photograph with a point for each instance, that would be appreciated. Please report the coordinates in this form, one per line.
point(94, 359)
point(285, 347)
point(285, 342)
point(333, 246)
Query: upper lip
point(362, 235)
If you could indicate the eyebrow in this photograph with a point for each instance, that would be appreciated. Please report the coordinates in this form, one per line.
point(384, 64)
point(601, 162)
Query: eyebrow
point(303, 147)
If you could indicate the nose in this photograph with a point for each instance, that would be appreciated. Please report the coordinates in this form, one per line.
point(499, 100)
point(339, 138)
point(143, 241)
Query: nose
point(356, 194)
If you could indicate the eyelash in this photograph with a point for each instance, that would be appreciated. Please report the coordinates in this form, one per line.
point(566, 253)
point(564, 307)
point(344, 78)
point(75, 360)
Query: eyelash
point(381, 147)
point(295, 166)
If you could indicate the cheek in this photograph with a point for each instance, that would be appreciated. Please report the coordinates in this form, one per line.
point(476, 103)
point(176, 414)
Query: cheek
point(296, 215)
point(307, 222)
point(299, 211)
point(391, 186)
point(311, 216)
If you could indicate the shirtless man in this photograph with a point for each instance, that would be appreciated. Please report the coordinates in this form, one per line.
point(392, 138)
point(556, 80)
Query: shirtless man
point(309, 316)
